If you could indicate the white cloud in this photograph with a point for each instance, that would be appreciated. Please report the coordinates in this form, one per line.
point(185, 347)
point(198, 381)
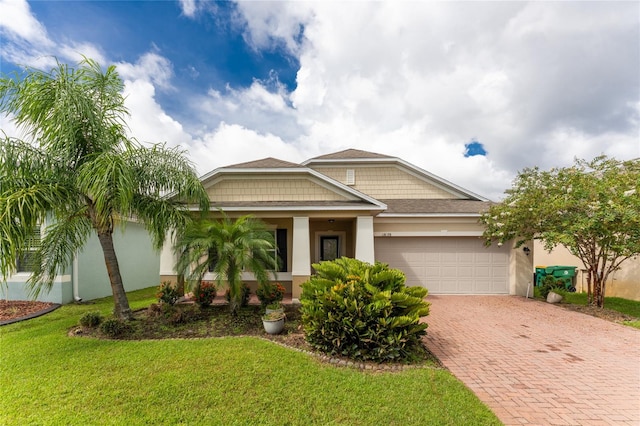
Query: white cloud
point(18, 22)
point(188, 7)
point(76, 52)
point(535, 83)
point(148, 122)
point(26, 41)
point(231, 144)
point(274, 23)
point(152, 67)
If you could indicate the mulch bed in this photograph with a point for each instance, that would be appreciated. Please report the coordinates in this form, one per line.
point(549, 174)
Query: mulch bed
point(13, 309)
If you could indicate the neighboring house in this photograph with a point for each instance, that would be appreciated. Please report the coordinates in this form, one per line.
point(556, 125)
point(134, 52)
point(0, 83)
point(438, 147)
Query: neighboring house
point(624, 282)
point(86, 278)
point(371, 207)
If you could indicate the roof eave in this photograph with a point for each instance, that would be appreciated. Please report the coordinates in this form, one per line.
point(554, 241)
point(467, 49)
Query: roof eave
point(285, 207)
point(430, 215)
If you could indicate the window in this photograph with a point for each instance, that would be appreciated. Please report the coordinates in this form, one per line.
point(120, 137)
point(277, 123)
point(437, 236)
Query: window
point(26, 262)
point(281, 243)
point(213, 258)
point(279, 252)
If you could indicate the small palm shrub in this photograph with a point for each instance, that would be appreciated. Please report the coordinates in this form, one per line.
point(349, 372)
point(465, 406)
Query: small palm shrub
point(246, 292)
point(363, 311)
point(91, 319)
point(113, 327)
point(204, 293)
point(168, 293)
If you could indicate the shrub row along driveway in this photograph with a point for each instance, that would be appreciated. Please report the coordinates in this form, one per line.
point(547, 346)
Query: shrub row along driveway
point(535, 363)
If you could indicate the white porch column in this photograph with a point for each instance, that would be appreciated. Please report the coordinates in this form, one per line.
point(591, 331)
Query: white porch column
point(364, 239)
point(301, 255)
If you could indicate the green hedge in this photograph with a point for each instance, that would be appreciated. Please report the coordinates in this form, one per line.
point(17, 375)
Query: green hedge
point(363, 311)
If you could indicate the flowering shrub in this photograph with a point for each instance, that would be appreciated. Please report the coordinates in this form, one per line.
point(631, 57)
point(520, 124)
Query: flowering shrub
point(204, 293)
point(167, 293)
point(269, 293)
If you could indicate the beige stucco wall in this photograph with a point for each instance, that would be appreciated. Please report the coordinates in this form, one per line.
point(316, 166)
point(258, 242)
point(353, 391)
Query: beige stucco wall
point(385, 182)
point(624, 282)
point(521, 269)
point(271, 190)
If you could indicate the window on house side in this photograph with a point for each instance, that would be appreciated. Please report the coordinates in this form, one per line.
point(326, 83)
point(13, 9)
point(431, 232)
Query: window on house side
point(26, 262)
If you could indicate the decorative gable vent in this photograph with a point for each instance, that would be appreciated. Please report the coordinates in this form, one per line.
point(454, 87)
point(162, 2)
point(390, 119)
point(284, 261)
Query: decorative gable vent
point(351, 177)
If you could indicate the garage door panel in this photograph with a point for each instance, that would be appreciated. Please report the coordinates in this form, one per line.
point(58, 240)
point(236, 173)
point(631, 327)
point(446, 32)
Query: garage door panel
point(483, 272)
point(466, 257)
point(499, 272)
point(465, 287)
point(449, 257)
point(447, 265)
point(448, 272)
point(485, 286)
point(465, 272)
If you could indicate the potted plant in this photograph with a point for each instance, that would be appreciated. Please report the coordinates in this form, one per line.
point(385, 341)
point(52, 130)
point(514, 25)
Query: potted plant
point(274, 307)
point(273, 322)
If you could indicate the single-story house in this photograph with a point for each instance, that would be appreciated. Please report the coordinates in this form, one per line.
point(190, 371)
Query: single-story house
point(372, 207)
point(86, 278)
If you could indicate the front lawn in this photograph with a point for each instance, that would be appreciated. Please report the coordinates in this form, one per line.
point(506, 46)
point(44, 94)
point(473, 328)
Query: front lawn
point(624, 306)
point(49, 378)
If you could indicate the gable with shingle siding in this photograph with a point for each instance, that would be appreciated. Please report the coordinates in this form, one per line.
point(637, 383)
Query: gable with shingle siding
point(386, 182)
point(267, 188)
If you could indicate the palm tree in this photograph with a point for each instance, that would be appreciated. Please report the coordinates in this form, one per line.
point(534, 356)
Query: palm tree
point(227, 247)
point(80, 173)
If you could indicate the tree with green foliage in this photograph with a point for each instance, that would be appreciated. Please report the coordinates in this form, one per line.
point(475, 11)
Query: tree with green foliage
point(363, 311)
point(591, 208)
point(79, 173)
point(227, 247)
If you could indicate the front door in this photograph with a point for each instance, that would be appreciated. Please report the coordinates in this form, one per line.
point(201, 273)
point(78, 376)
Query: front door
point(329, 247)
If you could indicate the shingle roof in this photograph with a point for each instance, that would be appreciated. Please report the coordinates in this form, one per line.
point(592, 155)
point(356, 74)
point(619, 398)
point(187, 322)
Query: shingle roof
point(349, 154)
point(265, 163)
point(430, 206)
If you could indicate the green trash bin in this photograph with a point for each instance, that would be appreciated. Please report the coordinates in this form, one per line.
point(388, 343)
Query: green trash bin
point(541, 272)
point(566, 274)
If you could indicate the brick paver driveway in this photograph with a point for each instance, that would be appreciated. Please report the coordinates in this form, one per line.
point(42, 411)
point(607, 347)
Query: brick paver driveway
point(535, 363)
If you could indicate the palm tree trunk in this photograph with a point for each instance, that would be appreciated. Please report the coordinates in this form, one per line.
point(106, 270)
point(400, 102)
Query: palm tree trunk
point(122, 311)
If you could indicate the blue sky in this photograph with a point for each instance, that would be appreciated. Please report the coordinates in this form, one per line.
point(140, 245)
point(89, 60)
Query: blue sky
point(470, 91)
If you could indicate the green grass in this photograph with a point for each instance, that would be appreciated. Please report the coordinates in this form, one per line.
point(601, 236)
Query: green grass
point(49, 378)
point(625, 306)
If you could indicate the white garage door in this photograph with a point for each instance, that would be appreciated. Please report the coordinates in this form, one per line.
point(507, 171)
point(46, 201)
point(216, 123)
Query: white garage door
point(453, 265)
